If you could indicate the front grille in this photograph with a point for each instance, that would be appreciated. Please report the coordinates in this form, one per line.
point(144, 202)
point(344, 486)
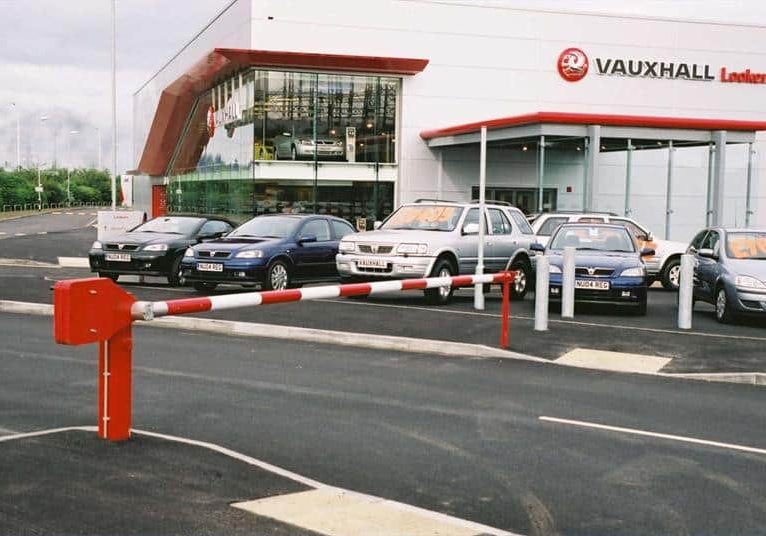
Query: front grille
point(381, 250)
point(121, 247)
point(386, 270)
point(598, 272)
point(213, 254)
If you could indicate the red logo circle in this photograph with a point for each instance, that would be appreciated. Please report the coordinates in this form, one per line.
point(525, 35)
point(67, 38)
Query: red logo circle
point(573, 64)
point(211, 121)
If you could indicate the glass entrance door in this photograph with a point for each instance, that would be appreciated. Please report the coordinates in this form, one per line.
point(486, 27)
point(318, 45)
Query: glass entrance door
point(523, 198)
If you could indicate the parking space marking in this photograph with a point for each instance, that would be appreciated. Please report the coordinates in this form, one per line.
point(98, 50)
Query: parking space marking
point(613, 361)
point(20, 234)
point(554, 320)
point(670, 437)
point(74, 262)
point(42, 232)
point(39, 433)
point(8, 431)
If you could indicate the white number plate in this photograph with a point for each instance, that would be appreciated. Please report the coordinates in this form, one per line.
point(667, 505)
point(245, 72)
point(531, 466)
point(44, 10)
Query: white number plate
point(372, 263)
point(209, 267)
point(592, 285)
point(118, 257)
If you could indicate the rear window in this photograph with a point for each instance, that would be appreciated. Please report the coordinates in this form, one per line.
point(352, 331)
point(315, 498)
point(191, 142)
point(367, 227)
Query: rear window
point(550, 225)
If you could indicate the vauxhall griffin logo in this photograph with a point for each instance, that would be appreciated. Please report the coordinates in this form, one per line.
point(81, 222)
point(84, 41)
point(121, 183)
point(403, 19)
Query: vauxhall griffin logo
point(573, 64)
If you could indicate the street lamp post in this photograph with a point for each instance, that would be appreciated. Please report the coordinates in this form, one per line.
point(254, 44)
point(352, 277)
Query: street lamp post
point(114, 105)
point(69, 167)
point(98, 135)
point(18, 136)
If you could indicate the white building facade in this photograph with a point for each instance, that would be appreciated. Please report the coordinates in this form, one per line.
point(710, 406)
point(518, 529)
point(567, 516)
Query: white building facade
point(352, 108)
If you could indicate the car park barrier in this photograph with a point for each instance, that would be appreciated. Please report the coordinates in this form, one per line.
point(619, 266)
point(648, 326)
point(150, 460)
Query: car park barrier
point(685, 292)
point(568, 283)
point(541, 293)
point(97, 310)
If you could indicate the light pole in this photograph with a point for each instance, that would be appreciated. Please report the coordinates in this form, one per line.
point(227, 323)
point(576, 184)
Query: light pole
point(69, 166)
point(98, 135)
point(39, 188)
point(114, 105)
point(18, 136)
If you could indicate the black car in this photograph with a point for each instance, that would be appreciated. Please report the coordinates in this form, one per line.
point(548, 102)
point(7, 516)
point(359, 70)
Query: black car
point(156, 247)
point(271, 251)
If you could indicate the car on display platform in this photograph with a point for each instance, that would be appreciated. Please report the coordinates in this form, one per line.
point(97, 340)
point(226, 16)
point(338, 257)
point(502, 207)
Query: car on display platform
point(730, 271)
point(609, 266)
point(156, 247)
point(663, 266)
point(434, 238)
point(289, 146)
point(273, 252)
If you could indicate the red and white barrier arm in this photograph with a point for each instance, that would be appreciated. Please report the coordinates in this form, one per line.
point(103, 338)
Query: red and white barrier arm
point(149, 310)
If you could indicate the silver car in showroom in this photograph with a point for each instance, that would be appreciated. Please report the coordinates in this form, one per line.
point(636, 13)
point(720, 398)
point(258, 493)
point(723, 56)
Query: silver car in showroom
point(730, 271)
point(289, 146)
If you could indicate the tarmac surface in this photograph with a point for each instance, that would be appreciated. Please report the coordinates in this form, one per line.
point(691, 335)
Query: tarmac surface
point(474, 439)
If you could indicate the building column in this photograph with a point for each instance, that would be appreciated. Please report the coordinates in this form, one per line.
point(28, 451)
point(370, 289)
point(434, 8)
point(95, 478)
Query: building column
point(709, 191)
point(540, 173)
point(669, 191)
point(719, 178)
point(594, 144)
point(439, 172)
point(628, 173)
point(585, 159)
point(748, 192)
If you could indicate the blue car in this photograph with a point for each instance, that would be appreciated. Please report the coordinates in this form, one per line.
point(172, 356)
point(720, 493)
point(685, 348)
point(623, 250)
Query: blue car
point(730, 271)
point(273, 252)
point(608, 265)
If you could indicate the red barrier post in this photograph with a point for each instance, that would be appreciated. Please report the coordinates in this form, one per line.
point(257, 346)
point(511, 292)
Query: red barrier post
point(506, 309)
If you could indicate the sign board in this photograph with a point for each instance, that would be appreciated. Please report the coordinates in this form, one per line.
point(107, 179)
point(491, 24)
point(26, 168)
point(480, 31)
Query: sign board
point(361, 224)
point(39, 189)
point(350, 144)
point(111, 223)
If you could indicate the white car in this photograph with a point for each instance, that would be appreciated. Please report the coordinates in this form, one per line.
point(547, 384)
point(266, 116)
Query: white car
point(663, 266)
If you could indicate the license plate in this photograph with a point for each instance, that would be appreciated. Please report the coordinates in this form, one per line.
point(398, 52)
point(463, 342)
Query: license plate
point(372, 263)
point(209, 267)
point(118, 257)
point(592, 285)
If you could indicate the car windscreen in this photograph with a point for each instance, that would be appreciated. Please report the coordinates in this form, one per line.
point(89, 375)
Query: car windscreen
point(267, 227)
point(424, 218)
point(593, 238)
point(170, 224)
point(746, 245)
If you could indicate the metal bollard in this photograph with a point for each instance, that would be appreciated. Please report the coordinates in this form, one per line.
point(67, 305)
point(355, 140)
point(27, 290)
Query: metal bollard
point(541, 293)
point(568, 283)
point(685, 291)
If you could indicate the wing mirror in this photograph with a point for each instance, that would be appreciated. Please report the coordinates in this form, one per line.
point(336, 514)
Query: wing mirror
point(307, 239)
point(647, 252)
point(471, 229)
point(537, 246)
point(707, 253)
point(377, 225)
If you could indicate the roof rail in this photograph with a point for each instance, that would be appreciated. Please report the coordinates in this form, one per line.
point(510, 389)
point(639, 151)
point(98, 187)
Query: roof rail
point(494, 202)
point(600, 212)
point(429, 200)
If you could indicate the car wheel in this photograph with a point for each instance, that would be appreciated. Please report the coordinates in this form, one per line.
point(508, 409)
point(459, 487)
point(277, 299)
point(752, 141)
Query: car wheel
point(277, 276)
point(176, 278)
point(205, 287)
point(293, 153)
point(440, 295)
point(671, 274)
point(520, 284)
point(723, 312)
point(113, 277)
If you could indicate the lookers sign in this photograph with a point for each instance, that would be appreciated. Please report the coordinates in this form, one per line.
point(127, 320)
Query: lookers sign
point(574, 64)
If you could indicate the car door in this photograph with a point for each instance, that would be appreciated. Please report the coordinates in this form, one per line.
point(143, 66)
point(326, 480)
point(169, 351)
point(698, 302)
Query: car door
point(468, 244)
point(315, 260)
point(708, 269)
point(502, 245)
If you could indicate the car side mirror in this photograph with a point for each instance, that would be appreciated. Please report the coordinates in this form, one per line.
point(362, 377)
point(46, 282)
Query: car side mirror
point(648, 252)
point(377, 225)
point(537, 246)
point(649, 237)
point(471, 229)
point(707, 253)
point(307, 239)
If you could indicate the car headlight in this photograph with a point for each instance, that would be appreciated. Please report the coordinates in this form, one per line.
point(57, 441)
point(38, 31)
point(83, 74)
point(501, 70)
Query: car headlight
point(346, 247)
point(189, 252)
point(412, 249)
point(745, 281)
point(554, 269)
point(156, 247)
point(97, 245)
point(249, 254)
point(638, 271)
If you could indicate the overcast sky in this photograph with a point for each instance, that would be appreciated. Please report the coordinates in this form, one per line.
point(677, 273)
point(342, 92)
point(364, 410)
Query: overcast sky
point(55, 61)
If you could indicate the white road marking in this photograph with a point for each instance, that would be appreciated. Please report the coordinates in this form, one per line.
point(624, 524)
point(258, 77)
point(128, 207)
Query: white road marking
point(8, 431)
point(551, 320)
point(2, 233)
point(39, 433)
point(74, 262)
point(20, 234)
point(613, 361)
point(633, 431)
point(57, 213)
point(70, 213)
point(42, 232)
point(81, 214)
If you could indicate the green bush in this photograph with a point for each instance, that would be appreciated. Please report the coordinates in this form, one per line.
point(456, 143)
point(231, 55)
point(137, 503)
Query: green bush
point(17, 186)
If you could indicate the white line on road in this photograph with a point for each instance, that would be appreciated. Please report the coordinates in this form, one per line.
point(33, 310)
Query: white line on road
point(683, 439)
point(48, 432)
point(20, 234)
point(74, 262)
point(42, 232)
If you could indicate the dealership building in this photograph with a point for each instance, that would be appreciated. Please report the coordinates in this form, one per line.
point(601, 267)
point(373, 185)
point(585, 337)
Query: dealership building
point(352, 108)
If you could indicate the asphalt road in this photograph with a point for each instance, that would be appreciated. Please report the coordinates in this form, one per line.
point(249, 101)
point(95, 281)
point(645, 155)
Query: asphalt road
point(462, 437)
point(55, 221)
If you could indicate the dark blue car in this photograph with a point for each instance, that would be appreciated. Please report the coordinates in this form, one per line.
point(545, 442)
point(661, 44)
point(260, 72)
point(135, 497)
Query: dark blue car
point(273, 252)
point(608, 265)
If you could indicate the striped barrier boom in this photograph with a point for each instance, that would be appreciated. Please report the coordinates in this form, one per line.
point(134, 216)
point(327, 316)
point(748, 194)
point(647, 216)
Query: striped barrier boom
point(143, 310)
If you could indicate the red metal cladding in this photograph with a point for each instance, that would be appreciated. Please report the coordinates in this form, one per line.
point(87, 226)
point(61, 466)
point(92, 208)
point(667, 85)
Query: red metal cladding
point(280, 296)
point(189, 305)
point(355, 289)
point(413, 284)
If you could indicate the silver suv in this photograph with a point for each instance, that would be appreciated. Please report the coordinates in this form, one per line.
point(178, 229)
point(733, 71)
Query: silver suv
point(438, 239)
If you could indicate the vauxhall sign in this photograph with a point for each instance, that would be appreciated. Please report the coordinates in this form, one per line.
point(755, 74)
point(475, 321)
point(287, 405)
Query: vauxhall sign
point(574, 64)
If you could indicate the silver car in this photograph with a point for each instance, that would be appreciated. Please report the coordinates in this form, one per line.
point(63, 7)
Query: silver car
point(439, 239)
point(730, 271)
point(302, 146)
